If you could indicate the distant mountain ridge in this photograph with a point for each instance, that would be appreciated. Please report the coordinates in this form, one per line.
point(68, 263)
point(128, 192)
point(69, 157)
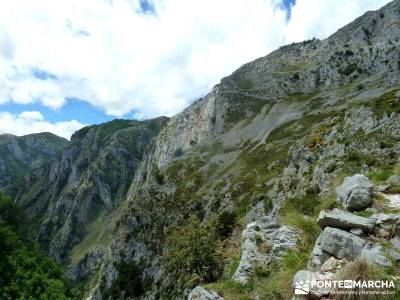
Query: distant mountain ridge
point(19, 155)
point(151, 209)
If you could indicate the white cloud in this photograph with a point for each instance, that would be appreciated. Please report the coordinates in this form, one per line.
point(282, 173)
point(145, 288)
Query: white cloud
point(33, 122)
point(117, 59)
point(316, 18)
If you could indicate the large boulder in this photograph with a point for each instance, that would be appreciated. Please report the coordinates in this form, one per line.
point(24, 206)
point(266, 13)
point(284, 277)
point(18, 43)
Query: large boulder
point(355, 193)
point(199, 293)
point(341, 244)
point(342, 219)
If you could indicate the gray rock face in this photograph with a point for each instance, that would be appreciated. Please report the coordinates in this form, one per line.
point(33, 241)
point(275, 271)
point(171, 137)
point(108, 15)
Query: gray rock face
point(263, 242)
point(250, 254)
point(341, 219)
point(91, 175)
point(318, 256)
point(86, 267)
point(355, 192)
point(357, 231)
point(21, 155)
point(341, 244)
point(375, 254)
point(395, 242)
point(200, 293)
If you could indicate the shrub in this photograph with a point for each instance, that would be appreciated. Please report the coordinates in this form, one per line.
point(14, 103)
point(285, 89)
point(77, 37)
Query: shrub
point(354, 156)
point(262, 271)
point(158, 176)
point(348, 52)
point(226, 223)
point(348, 69)
point(193, 251)
point(360, 87)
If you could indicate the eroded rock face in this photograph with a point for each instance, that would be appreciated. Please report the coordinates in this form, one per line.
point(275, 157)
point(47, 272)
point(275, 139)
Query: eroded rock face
point(86, 267)
point(341, 219)
point(341, 244)
point(88, 180)
point(318, 256)
point(375, 254)
point(263, 242)
point(200, 293)
point(355, 193)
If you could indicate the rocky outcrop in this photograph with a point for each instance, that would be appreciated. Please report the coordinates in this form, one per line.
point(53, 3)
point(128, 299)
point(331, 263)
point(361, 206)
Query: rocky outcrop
point(86, 266)
point(199, 293)
point(355, 193)
point(341, 244)
point(264, 241)
point(341, 219)
point(344, 239)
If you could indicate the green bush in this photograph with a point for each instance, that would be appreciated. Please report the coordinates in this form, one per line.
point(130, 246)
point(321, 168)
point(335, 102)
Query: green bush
point(226, 223)
point(158, 176)
point(193, 251)
point(348, 69)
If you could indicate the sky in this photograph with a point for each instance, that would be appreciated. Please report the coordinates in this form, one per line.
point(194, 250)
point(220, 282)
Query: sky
point(66, 64)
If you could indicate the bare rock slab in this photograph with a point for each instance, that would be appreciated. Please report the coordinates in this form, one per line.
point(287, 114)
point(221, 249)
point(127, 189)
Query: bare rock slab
point(344, 220)
point(200, 293)
point(341, 244)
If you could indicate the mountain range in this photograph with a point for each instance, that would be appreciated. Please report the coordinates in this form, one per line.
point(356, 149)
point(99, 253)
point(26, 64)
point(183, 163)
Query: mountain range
point(224, 200)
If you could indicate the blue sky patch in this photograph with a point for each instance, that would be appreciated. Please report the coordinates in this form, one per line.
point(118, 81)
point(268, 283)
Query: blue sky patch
point(147, 7)
point(82, 33)
point(288, 4)
point(43, 75)
point(74, 109)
